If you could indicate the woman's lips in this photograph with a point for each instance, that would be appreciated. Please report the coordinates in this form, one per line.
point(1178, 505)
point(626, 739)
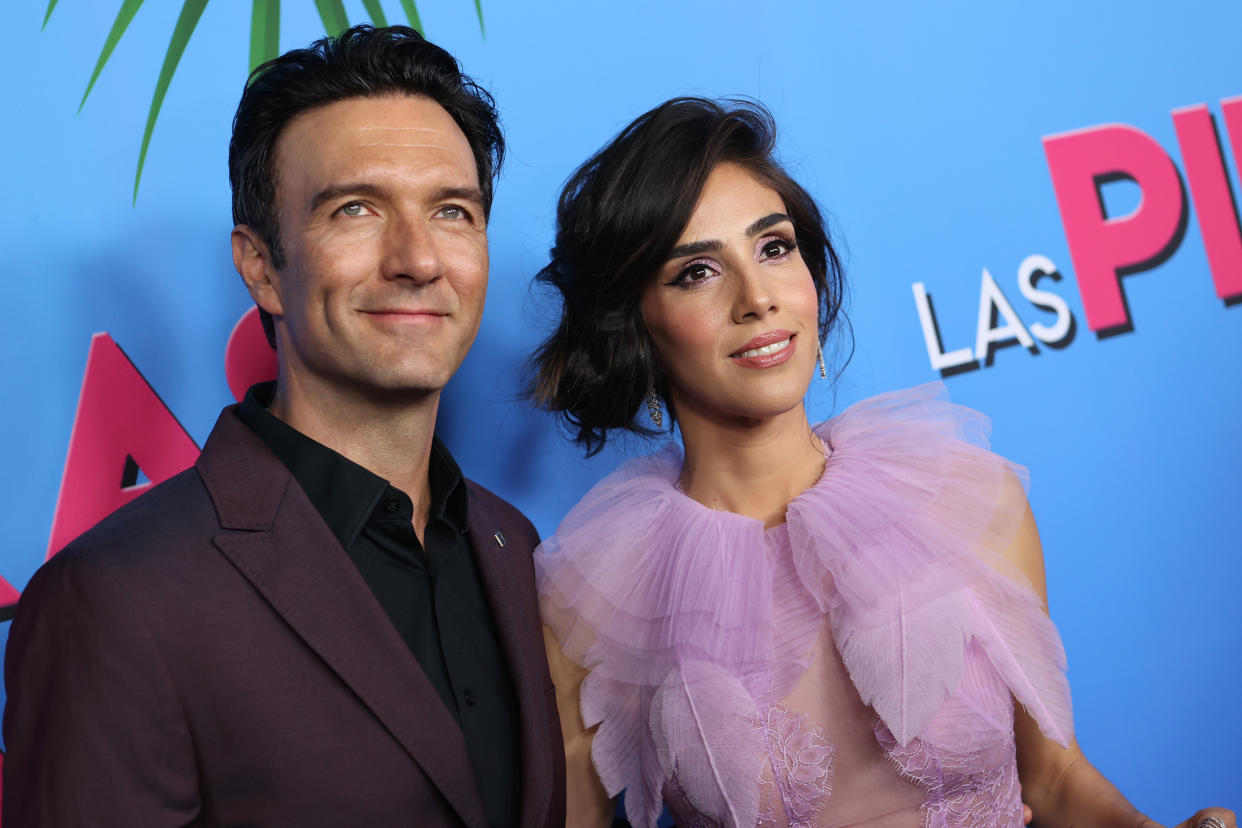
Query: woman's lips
point(766, 350)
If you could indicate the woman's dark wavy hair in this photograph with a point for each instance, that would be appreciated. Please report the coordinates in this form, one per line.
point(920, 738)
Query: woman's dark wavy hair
point(619, 216)
point(361, 62)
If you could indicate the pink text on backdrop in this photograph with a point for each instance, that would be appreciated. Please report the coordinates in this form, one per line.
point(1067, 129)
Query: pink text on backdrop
point(1210, 191)
point(1103, 248)
point(121, 427)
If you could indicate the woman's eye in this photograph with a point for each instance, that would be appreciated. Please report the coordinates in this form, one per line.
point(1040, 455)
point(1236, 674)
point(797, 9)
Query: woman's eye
point(776, 248)
point(694, 272)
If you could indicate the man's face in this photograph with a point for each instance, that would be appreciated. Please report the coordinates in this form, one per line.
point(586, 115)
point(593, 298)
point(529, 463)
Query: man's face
point(381, 219)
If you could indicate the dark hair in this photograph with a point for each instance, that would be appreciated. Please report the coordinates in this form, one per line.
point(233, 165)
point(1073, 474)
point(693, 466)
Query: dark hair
point(360, 62)
point(618, 218)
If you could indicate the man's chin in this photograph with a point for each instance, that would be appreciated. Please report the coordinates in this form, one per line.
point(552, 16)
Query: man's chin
point(409, 389)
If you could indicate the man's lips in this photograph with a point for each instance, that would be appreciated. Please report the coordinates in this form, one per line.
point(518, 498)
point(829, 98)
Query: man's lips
point(411, 313)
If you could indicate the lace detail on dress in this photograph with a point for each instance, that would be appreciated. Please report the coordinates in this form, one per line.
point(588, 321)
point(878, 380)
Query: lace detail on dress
point(970, 789)
point(801, 761)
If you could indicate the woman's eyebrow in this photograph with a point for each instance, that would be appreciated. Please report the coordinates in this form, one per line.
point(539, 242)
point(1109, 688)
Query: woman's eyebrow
point(694, 249)
point(770, 220)
point(710, 245)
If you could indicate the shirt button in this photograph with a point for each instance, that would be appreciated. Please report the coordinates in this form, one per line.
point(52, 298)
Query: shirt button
point(470, 698)
point(391, 505)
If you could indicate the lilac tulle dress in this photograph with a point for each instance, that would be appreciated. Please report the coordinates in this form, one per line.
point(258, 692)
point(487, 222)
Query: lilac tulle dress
point(853, 666)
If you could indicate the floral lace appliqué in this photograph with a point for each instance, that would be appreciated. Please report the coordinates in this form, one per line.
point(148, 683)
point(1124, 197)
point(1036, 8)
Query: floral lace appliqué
point(972, 789)
point(801, 760)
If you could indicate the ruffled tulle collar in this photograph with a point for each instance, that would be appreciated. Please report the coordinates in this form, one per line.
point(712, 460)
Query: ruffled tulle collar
point(900, 545)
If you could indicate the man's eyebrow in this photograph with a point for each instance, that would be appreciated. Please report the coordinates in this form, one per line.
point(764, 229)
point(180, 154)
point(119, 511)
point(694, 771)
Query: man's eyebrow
point(710, 245)
point(362, 188)
point(348, 188)
point(471, 194)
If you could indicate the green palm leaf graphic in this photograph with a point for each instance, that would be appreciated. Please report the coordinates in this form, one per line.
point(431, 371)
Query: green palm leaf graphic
point(48, 14)
point(411, 14)
point(264, 43)
point(478, 8)
point(123, 18)
point(264, 32)
point(332, 13)
point(190, 13)
point(376, 13)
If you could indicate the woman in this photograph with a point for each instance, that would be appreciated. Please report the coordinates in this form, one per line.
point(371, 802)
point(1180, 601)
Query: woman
point(788, 625)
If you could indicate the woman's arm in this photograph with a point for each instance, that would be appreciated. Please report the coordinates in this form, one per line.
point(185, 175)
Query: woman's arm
point(1063, 788)
point(586, 803)
point(1059, 784)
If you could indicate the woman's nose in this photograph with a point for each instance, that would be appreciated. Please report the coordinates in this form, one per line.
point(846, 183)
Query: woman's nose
point(755, 298)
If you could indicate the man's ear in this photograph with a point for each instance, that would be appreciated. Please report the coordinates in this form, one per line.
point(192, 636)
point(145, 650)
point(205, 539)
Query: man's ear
point(253, 261)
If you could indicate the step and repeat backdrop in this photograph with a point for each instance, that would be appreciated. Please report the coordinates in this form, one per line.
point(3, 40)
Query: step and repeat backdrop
point(1038, 203)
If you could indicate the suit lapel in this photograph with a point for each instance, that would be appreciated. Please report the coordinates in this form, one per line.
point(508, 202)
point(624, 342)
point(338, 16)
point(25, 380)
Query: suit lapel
point(504, 571)
point(293, 560)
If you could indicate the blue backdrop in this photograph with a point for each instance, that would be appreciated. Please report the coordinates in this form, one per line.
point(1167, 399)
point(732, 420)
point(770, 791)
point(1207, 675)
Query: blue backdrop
point(919, 127)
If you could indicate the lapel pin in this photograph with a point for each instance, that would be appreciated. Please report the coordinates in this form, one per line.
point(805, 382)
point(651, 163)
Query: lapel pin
point(500, 539)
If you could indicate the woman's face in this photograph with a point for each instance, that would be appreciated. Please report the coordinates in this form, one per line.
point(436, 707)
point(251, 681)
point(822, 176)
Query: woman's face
point(733, 312)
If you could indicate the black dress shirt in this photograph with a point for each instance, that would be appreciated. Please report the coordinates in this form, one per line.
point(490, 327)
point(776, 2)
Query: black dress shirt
point(431, 592)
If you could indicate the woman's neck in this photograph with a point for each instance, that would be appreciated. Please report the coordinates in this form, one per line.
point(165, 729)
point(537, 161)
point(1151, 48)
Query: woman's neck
point(753, 468)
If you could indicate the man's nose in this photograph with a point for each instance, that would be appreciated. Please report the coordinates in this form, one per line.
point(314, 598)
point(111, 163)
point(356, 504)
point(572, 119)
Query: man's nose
point(411, 252)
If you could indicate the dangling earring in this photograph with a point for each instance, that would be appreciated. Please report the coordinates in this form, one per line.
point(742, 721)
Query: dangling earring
point(653, 408)
point(819, 353)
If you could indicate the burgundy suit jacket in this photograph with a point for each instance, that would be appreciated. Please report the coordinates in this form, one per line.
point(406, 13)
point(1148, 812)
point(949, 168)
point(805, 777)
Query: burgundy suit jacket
point(209, 655)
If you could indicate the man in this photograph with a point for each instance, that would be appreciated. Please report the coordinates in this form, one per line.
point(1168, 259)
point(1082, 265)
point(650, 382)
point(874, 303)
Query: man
point(321, 622)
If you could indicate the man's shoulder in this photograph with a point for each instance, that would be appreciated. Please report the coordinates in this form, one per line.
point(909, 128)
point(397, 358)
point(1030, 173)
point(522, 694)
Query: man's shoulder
point(221, 489)
point(515, 525)
point(172, 513)
point(142, 548)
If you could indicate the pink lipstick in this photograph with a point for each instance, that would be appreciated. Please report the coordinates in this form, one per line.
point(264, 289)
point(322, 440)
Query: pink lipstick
point(766, 350)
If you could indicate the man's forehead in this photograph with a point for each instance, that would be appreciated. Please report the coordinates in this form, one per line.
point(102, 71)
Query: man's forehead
point(393, 121)
point(403, 135)
point(356, 131)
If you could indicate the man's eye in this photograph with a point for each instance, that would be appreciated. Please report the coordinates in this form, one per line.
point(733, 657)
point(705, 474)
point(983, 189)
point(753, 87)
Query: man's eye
point(453, 212)
point(354, 208)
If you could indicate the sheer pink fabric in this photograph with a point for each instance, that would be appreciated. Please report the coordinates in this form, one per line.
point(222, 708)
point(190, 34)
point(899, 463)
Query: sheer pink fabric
point(853, 666)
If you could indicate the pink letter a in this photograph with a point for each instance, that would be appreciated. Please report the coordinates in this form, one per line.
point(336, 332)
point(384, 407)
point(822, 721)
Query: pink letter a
point(121, 426)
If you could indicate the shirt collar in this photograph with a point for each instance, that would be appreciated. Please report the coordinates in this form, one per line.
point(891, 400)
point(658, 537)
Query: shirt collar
point(344, 493)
